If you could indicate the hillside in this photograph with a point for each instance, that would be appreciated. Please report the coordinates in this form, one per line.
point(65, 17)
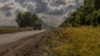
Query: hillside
point(88, 15)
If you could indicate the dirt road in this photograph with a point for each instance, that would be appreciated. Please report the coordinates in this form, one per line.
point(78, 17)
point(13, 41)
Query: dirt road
point(29, 46)
point(9, 38)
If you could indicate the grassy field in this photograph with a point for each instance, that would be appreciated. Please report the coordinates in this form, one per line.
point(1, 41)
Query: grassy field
point(13, 30)
point(80, 41)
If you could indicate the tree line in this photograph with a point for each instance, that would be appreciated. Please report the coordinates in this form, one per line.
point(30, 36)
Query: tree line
point(87, 15)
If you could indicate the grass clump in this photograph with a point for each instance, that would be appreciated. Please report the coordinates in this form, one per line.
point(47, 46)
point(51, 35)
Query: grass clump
point(71, 41)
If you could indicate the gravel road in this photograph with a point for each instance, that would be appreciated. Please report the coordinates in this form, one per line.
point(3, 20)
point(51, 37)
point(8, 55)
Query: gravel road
point(9, 38)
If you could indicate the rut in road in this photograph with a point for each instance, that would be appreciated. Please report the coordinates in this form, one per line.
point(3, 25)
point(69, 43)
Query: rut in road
point(31, 46)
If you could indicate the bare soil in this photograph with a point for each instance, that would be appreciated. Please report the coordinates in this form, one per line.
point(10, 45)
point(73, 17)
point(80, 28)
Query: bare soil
point(30, 46)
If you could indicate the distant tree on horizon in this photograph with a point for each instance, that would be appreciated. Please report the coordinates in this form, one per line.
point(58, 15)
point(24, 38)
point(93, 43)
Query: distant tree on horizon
point(26, 19)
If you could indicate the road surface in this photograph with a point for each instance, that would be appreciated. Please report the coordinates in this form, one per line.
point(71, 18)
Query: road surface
point(30, 46)
point(9, 38)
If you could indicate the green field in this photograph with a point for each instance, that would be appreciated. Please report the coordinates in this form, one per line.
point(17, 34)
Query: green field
point(71, 41)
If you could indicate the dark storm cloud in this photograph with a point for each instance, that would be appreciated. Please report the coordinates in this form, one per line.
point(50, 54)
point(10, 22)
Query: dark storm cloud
point(8, 13)
point(41, 7)
point(50, 7)
point(53, 10)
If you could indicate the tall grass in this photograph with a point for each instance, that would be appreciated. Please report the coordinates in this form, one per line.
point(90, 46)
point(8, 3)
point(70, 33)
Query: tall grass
point(13, 30)
point(81, 41)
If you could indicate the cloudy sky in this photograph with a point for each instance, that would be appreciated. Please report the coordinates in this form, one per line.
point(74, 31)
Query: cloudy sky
point(47, 10)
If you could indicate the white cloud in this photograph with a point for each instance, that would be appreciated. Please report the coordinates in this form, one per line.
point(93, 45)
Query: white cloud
point(10, 8)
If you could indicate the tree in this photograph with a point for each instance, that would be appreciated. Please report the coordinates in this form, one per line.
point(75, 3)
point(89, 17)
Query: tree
point(88, 15)
point(97, 4)
point(19, 19)
point(26, 19)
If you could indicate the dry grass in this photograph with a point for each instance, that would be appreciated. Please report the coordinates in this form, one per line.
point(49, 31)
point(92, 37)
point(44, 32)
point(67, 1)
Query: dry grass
point(81, 41)
point(13, 30)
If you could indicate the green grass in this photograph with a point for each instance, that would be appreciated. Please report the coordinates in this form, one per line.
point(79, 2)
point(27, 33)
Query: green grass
point(13, 30)
point(81, 41)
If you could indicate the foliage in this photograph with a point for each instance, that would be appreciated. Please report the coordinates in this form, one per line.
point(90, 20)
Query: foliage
point(89, 14)
point(26, 19)
point(79, 41)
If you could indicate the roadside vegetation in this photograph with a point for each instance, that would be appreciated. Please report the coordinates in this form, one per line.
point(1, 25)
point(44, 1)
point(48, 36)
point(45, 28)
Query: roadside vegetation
point(5, 30)
point(87, 15)
point(26, 21)
point(75, 41)
point(79, 34)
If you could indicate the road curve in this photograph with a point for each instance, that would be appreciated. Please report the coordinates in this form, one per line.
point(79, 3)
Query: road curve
point(9, 38)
